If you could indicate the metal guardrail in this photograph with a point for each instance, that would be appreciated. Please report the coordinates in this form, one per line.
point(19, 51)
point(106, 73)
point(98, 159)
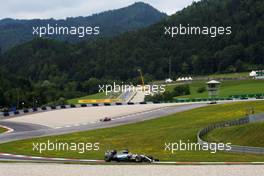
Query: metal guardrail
point(234, 148)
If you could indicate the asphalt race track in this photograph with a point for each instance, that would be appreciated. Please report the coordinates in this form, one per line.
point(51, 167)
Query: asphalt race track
point(29, 130)
point(44, 169)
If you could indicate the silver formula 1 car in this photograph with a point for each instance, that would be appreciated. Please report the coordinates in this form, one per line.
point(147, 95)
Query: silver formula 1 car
point(126, 156)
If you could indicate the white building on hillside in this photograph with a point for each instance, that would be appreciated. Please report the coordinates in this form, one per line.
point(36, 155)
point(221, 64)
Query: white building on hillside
point(259, 74)
point(168, 80)
point(184, 79)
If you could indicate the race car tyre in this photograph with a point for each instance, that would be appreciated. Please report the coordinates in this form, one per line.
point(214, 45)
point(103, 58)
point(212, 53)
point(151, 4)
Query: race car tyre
point(107, 159)
point(138, 159)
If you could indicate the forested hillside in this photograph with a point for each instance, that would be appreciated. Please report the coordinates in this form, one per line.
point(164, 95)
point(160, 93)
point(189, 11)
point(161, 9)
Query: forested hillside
point(149, 49)
point(111, 23)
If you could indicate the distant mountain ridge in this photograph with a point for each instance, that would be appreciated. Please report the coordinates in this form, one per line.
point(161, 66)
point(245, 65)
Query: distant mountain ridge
point(112, 23)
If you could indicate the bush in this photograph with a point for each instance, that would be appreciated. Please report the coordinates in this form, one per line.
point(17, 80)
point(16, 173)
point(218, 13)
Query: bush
point(182, 90)
point(201, 89)
point(155, 97)
point(166, 96)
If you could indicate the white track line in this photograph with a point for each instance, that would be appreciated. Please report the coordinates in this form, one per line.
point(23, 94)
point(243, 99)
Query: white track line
point(50, 159)
point(209, 163)
point(9, 130)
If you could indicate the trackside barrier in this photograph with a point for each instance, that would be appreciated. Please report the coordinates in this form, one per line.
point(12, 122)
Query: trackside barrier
point(234, 148)
point(186, 100)
point(232, 97)
point(37, 110)
point(256, 95)
point(52, 108)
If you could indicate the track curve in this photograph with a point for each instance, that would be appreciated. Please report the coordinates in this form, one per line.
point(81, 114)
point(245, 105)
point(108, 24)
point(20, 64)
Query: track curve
point(21, 132)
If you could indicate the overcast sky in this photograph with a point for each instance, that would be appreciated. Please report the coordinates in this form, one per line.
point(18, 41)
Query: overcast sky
point(28, 9)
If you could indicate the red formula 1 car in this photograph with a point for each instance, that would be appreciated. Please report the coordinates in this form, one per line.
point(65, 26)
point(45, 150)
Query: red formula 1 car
point(106, 119)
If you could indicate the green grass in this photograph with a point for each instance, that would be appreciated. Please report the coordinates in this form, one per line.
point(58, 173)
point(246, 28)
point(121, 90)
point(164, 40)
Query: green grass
point(249, 134)
point(149, 137)
point(244, 75)
point(101, 95)
point(2, 130)
point(229, 75)
point(230, 87)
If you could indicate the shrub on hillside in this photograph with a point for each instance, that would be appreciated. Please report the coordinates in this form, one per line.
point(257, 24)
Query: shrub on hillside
point(182, 90)
point(201, 89)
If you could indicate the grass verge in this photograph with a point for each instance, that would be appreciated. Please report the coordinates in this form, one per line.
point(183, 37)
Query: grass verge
point(2, 130)
point(245, 135)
